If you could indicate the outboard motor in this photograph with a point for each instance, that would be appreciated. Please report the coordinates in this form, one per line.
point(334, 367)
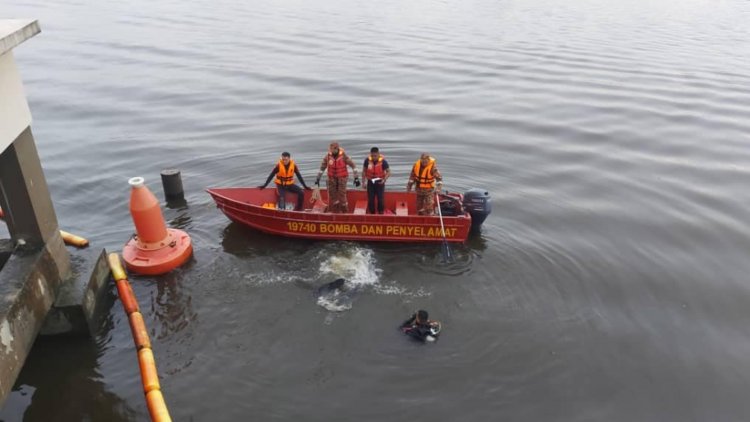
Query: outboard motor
point(478, 203)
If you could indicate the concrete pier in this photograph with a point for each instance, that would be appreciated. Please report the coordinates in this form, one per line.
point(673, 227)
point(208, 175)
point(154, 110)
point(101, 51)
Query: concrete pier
point(77, 309)
point(34, 262)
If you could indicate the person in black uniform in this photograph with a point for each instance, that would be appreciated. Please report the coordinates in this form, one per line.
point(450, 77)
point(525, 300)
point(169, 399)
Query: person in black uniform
point(285, 171)
point(376, 172)
point(420, 327)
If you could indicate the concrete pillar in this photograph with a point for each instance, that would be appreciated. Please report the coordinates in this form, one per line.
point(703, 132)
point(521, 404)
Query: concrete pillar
point(28, 286)
point(15, 116)
point(39, 262)
point(26, 200)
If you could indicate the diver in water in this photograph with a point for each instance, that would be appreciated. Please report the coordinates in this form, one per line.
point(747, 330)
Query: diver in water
point(420, 327)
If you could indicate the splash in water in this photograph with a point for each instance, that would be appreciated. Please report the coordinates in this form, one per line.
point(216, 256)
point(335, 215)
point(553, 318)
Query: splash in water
point(356, 265)
point(354, 269)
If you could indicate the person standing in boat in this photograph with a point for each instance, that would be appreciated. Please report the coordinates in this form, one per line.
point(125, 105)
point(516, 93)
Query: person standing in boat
point(284, 172)
point(336, 161)
point(424, 174)
point(376, 172)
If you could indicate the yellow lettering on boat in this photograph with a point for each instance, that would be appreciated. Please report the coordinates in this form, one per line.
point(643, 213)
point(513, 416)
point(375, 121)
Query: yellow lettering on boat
point(331, 228)
point(304, 227)
point(370, 229)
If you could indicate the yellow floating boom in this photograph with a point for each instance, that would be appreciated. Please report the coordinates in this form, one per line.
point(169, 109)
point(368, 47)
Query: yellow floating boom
point(157, 407)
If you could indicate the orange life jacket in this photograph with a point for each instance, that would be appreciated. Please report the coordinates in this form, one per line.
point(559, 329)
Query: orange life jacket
point(337, 165)
point(423, 176)
point(374, 168)
point(285, 176)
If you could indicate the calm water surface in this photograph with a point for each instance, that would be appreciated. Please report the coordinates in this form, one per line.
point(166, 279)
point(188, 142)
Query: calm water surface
point(610, 283)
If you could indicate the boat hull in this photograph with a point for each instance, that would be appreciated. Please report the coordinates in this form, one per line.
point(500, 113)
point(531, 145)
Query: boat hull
point(245, 206)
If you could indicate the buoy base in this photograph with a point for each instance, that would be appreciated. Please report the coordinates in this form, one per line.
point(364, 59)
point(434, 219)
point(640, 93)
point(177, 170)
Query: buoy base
point(147, 260)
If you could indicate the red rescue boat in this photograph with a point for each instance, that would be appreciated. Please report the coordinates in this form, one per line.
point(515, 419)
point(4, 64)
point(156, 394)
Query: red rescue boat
point(256, 208)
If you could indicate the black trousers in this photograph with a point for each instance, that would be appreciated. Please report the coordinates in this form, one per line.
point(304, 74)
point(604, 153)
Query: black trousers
point(294, 189)
point(375, 190)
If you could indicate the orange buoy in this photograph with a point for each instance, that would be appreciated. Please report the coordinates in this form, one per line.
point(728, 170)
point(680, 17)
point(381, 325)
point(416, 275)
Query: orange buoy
point(2, 214)
point(154, 249)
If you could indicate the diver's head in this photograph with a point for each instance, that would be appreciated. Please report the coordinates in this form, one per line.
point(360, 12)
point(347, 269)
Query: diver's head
point(422, 316)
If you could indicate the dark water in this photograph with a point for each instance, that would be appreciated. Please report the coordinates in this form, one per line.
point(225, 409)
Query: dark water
point(610, 283)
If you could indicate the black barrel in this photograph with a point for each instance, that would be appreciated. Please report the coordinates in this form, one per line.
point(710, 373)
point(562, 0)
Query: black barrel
point(172, 183)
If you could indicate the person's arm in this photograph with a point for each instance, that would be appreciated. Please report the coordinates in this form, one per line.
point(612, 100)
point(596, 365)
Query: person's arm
point(351, 164)
point(387, 170)
point(323, 166)
point(412, 178)
point(409, 322)
point(270, 176)
point(417, 332)
point(364, 173)
point(436, 174)
point(299, 176)
point(348, 161)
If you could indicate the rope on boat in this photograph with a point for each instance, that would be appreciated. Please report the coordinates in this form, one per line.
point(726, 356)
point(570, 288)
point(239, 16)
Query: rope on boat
point(315, 196)
point(157, 408)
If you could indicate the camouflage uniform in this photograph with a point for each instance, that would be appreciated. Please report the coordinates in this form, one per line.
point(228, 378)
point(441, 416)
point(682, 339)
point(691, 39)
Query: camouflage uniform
point(425, 194)
point(337, 194)
point(425, 201)
point(337, 200)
